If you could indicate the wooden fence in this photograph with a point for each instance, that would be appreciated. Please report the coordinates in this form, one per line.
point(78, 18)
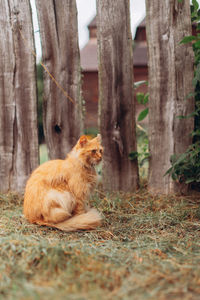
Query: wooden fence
point(63, 121)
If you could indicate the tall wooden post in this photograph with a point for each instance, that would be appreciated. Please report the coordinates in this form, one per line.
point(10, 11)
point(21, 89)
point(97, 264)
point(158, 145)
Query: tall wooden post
point(170, 81)
point(18, 101)
point(60, 54)
point(117, 108)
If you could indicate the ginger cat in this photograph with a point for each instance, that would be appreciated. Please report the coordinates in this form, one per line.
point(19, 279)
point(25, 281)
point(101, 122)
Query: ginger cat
point(57, 191)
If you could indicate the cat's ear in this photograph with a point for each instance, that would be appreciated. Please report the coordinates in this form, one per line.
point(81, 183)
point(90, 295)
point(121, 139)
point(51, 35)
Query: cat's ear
point(98, 138)
point(83, 141)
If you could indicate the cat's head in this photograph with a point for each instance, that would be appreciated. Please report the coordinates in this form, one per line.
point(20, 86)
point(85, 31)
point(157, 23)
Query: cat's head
point(89, 151)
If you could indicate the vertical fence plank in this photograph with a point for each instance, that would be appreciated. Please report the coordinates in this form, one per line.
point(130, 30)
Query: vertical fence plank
point(170, 81)
point(60, 54)
point(117, 108)
point(18, 101)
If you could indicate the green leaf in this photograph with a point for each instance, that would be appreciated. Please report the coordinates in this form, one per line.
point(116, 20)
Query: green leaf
point(133, 155)
point(146, 158)
point(195, 4)
point(169, 171)
point(196, 78)
point(197, 44)
point(196, 133)
point(143, 114)
point(146, 99)
point(190, 95)
point(139, 83)
point(181, 158)
point(191, 9)
point(188, 39)
point(174, 176)
point(140, 98)
point(190, 180)
point(194, 113)
point(198, 26)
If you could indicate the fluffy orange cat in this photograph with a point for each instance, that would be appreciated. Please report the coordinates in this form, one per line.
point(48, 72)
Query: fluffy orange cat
point(57, 191)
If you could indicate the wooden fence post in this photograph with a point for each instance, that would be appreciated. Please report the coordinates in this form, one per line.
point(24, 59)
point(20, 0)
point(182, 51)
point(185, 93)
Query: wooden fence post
point(170, 81)
point(60, 54)
point(117, 108)
point(18, 101)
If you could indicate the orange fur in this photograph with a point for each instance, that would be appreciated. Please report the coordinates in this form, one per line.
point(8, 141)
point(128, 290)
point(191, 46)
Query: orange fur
point(57, 191)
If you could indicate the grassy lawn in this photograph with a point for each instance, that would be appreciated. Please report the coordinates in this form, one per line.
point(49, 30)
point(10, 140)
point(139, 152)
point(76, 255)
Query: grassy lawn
point(147, 248)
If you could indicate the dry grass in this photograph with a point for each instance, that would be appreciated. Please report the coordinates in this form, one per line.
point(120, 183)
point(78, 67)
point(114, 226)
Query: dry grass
point(147, 248)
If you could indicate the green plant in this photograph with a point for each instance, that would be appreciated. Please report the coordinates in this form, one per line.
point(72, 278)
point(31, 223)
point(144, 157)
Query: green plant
point(142, 99)
point(142, 153)
point(186, 166)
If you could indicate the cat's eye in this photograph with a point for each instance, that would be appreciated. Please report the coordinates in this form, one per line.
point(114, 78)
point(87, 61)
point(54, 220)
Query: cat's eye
point(101, 151)
point(94, 151)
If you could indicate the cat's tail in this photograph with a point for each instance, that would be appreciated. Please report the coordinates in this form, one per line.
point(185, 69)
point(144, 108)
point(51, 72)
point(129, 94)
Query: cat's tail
point(88, 220)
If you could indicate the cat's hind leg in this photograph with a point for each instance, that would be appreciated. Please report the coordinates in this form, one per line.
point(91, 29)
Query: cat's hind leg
point(57, 206)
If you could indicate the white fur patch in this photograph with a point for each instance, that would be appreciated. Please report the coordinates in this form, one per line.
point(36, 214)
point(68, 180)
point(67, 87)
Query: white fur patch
point(64, 199)
point(75, 153)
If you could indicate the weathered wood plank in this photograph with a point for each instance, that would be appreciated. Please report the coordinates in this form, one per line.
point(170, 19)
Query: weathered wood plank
point(117, 108)
point(18, 101)
point(60, 54)
point(170, 81)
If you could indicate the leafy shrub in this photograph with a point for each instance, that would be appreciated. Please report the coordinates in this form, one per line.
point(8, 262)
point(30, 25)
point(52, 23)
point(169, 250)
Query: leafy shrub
point(142, 99)
point(186, 167)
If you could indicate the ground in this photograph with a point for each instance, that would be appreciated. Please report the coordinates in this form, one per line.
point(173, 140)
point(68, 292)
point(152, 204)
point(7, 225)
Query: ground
point(147, 248)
